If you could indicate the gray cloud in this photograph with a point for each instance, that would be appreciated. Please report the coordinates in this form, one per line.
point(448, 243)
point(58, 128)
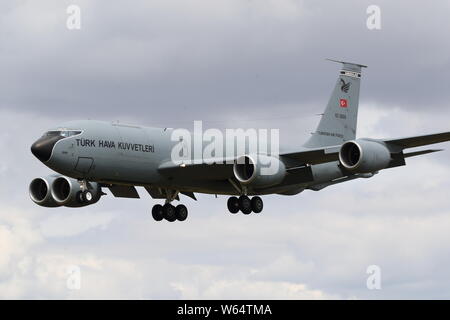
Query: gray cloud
point(150, 59)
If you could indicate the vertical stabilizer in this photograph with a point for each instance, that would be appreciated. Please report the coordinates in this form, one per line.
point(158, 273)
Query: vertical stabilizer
point(338, 123)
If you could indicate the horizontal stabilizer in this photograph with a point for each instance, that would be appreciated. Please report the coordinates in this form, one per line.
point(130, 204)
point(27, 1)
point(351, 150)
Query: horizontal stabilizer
point(348, 63)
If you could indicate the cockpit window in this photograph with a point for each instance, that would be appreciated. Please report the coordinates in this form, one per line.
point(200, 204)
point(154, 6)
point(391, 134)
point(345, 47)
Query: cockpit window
point(62, 133)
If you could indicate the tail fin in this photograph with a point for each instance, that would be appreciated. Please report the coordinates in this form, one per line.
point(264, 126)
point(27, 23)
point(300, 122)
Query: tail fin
point(338, 123)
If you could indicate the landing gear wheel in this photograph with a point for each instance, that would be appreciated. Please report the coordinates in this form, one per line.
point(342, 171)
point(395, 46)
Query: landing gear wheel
point(233, 204)
point(87, 196)
point(257, 204)
point(84, 196)
point(245, 205)
point(79, 197)
point(181, 212)
point(169, 212)
point(157, 212)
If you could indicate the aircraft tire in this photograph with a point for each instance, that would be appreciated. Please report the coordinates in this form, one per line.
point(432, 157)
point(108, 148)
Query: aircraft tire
point(157, 212)
point(233, 205)
point(87, 196)
point(79, 197)
point(169, 212)
point(181, 212)
point(245, 205)
point(257, 204)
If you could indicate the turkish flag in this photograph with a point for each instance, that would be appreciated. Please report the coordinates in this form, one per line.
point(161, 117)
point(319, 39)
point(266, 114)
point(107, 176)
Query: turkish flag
point(343, 103)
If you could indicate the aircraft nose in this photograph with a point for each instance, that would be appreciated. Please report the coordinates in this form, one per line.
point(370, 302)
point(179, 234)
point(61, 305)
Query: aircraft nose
point(43, 147)
point(41, 150)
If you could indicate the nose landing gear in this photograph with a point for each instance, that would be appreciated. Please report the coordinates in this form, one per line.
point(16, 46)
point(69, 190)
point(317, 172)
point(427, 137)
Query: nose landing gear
point(245, 204)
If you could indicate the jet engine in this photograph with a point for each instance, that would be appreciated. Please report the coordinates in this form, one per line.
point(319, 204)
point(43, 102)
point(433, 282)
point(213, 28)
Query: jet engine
point(364, 156)
point(40, 192)
point(259, 170)
point(67, 192)
point(56, 191)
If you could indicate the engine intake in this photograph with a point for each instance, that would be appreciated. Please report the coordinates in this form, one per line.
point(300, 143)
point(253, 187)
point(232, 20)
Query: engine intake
point(364, 156)
point(40, 192)
point(259, 170)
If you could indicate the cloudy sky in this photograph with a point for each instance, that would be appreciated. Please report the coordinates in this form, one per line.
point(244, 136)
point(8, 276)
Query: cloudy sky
point(230, 63)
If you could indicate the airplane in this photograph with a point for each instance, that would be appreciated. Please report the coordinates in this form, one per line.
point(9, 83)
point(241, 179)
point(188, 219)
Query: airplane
point(89, 156)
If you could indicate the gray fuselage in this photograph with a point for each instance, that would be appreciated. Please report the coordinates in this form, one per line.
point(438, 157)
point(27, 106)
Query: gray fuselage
point(114, 153)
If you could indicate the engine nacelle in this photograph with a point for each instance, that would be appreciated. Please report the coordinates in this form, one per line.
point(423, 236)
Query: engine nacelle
point(66, 192)
point(40, 192)
point(56, 191)
point(363, 156)
point(259, 170)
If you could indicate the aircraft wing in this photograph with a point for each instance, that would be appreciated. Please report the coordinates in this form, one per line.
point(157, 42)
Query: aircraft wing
point(328, 154)
point(419, 153)
point(216, 169)
point(220, 169)
point(314, 156)
point(207, 169)
point(417, 141)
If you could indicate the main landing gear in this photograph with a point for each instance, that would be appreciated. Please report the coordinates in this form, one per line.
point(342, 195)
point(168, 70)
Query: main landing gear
point(169, 212)
point(245, 204)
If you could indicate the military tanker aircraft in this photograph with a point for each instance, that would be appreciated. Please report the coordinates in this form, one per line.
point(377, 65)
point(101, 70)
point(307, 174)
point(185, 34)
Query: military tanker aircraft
point(90, 156)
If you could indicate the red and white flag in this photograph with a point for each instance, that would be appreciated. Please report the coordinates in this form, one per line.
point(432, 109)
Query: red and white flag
point(343, 103)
